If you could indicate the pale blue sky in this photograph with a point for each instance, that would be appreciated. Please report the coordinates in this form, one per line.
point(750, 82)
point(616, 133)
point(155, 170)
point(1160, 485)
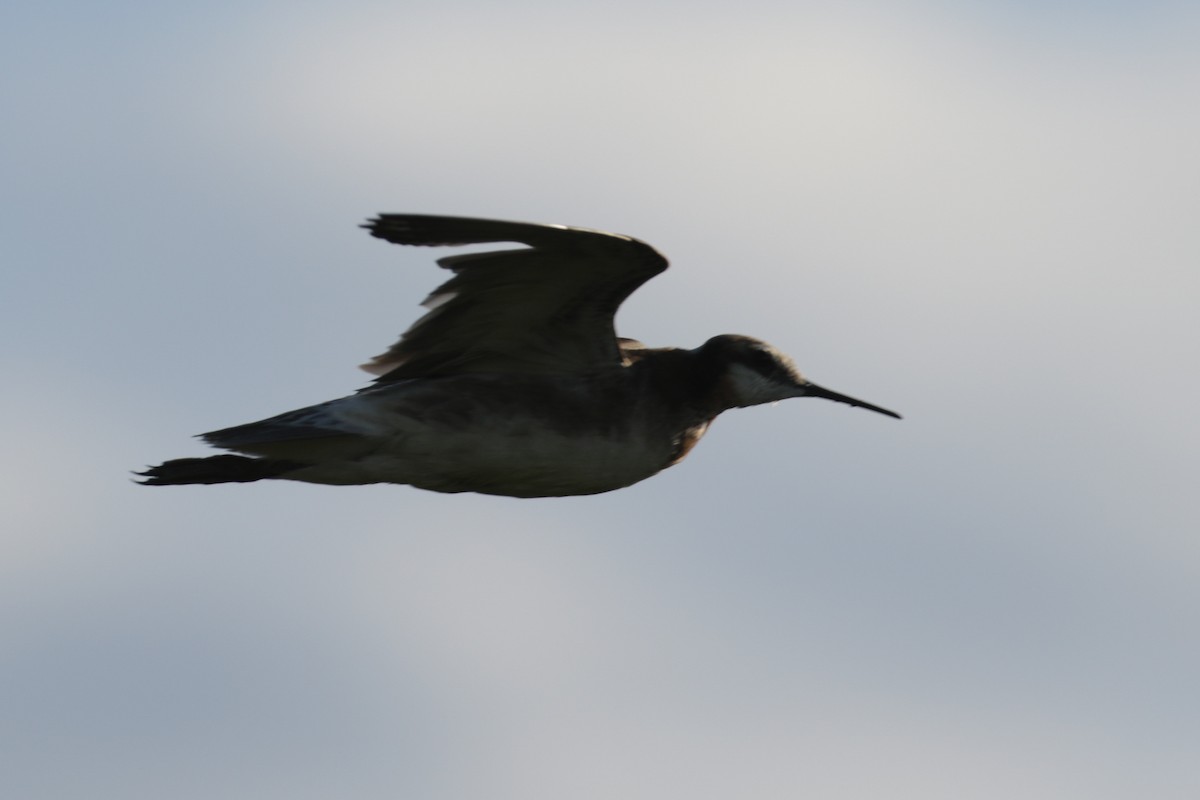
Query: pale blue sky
point(981, 215)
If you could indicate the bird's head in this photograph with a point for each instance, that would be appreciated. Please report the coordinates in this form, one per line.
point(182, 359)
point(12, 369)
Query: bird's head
point(753, 372)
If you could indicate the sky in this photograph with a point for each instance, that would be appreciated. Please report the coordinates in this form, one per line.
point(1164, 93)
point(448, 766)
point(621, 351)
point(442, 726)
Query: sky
point(980, 214)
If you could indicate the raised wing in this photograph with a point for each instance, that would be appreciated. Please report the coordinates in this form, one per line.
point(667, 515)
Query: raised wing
point(547, 308)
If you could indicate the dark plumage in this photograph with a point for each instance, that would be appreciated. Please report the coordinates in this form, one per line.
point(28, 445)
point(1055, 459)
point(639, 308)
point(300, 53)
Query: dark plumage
point(514, 382)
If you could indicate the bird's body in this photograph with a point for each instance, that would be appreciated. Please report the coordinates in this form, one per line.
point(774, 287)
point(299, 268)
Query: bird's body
point(521, 436)
point(514, 383)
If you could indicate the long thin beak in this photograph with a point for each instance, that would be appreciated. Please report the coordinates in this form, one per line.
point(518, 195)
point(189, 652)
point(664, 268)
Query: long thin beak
point(812, 390)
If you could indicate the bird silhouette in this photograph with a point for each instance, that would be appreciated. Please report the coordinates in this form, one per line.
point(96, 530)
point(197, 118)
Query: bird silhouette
point(514, 382)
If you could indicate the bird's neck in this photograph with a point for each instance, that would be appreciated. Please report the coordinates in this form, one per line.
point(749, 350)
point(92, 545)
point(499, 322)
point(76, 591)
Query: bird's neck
point(691, 387)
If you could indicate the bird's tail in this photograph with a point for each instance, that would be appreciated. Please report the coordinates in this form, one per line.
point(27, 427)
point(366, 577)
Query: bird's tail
point(216, 469)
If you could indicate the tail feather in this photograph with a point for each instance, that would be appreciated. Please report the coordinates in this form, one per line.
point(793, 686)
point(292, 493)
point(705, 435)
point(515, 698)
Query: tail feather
point(216, 469)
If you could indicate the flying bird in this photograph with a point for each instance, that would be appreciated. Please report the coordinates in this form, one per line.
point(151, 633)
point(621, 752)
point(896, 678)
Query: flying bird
point(514, 382)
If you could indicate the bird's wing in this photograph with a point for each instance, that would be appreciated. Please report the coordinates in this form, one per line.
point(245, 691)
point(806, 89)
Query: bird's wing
point(547, 308)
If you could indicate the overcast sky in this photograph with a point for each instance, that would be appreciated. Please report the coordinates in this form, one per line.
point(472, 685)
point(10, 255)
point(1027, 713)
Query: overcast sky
point(980, 214)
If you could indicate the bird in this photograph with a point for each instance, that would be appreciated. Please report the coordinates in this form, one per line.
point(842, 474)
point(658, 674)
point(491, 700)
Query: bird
point(514, 381)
